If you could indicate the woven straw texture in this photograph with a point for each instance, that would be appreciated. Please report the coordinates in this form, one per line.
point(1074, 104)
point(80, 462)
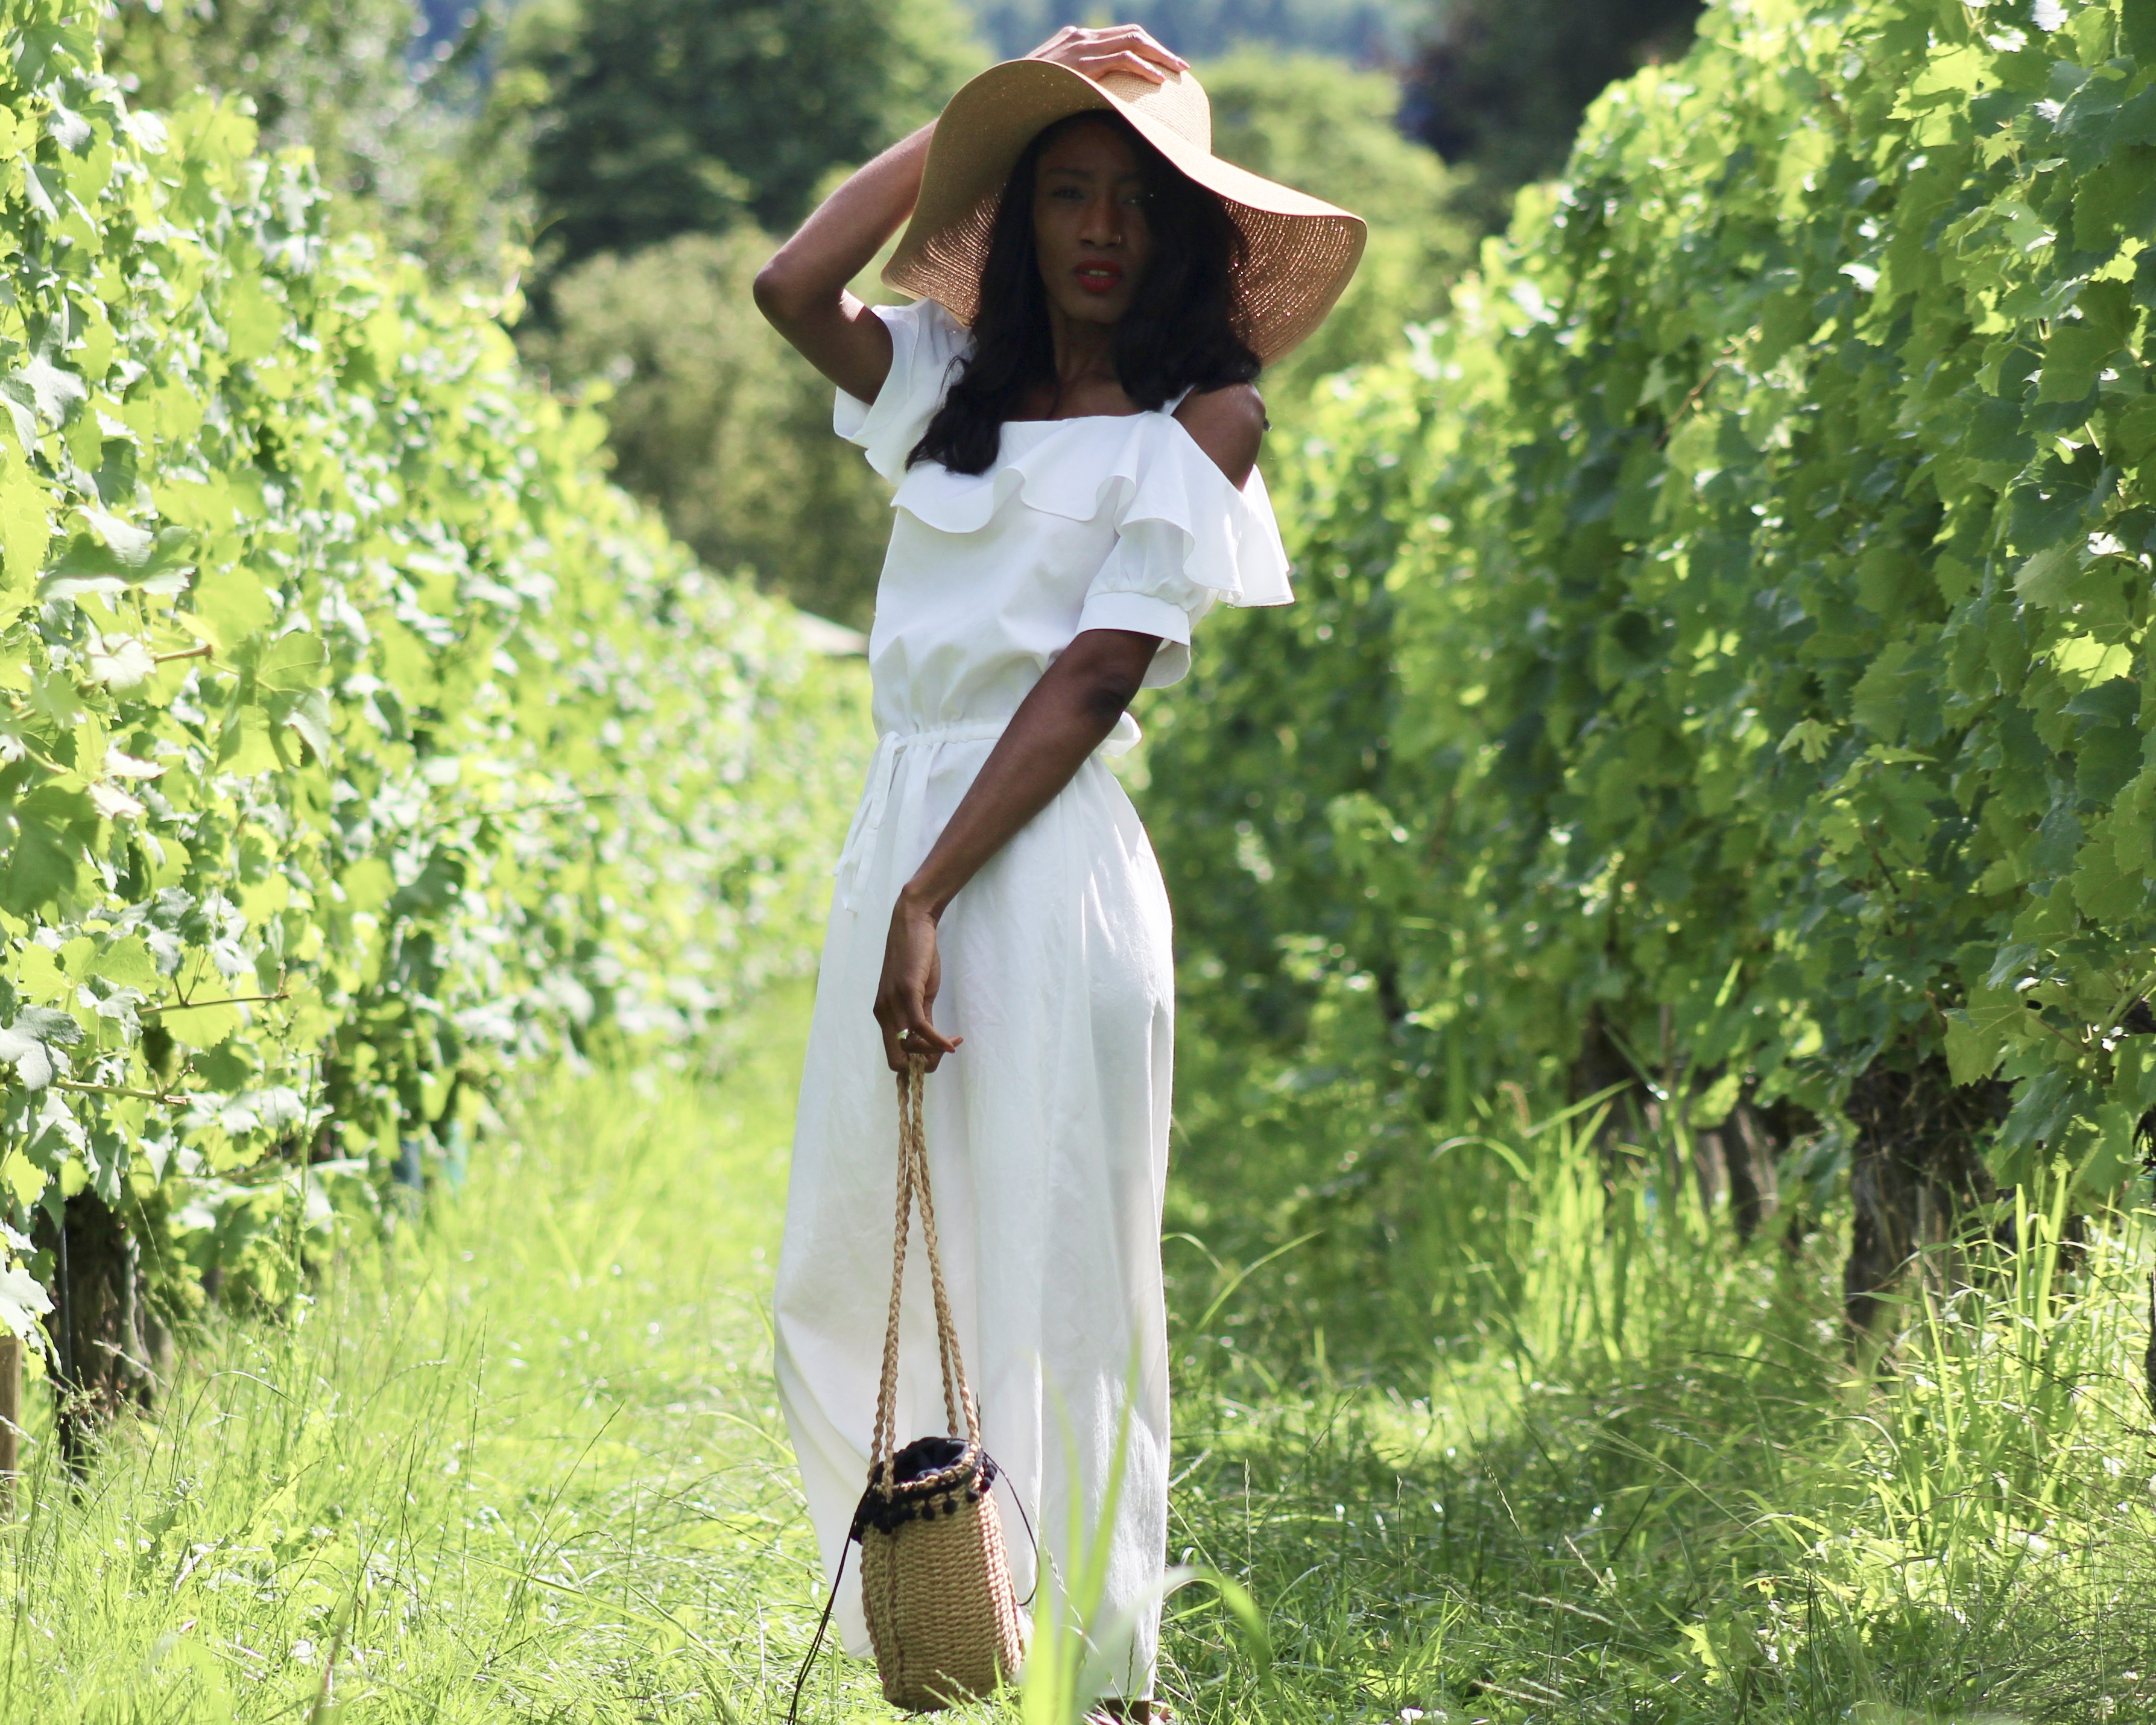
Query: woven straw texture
point(1300, 251)
point(943, 1617)
point(936, 1585)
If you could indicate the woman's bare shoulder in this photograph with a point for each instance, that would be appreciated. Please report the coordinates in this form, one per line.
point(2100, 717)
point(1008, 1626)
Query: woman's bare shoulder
point(1229, 424)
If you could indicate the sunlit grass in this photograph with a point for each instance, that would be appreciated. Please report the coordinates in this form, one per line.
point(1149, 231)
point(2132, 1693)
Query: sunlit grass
point(1656, 1486)
point(526, 1464)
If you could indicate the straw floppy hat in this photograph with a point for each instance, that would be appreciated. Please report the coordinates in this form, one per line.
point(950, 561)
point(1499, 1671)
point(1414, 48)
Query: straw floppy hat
point(1301, 250)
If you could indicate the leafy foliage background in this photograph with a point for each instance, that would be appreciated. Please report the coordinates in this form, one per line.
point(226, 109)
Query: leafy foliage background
point(1727, 630)
point(1499, 87)
point(660, 117)
point(414, 142)
point(716, 420)
point(358, 739)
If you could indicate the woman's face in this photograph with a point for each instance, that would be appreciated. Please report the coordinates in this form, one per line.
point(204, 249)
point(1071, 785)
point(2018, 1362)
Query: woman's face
point(1089, 223)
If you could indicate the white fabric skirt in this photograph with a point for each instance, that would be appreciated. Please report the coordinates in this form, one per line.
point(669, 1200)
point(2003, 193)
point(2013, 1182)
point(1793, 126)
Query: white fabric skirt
point(1048, 1152)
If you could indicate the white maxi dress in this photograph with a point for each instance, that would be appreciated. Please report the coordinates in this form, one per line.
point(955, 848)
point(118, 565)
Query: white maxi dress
point(1048, 1130)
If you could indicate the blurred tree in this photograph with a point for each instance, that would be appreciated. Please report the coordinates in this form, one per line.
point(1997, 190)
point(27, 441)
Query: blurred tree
point(332, 74)
point(398, 125)
point(1319, 124)
point(1500, 85)
point(659, 117)
point(716, 420)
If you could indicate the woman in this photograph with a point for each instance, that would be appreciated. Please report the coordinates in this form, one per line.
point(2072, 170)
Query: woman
point(1069, 416)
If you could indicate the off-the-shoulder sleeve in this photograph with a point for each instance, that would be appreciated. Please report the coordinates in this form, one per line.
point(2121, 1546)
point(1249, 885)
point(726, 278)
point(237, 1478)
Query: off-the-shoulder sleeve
point(1185, 540)
point(926, 343)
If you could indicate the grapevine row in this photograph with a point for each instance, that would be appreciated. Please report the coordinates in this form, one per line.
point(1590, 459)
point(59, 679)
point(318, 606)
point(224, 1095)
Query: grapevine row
point(1726, 637)
point(357, 738)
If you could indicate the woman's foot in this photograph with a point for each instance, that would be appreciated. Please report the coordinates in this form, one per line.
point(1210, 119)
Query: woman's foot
point(1129, 1712)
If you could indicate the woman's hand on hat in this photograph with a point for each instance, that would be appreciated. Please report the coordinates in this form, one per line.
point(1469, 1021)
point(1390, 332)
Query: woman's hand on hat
point(1119, 48)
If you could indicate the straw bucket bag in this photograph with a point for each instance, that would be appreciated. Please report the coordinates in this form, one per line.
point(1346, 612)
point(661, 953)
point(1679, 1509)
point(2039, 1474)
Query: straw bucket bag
point(936, 1585)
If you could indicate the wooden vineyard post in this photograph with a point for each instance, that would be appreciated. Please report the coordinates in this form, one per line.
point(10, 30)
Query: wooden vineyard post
point(11, 1419)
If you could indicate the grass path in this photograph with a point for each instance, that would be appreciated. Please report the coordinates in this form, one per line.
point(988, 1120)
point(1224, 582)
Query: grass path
point(525, 1465)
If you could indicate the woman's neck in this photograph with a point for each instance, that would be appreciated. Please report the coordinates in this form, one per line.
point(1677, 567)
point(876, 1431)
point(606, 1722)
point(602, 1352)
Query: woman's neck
point(1085, 352)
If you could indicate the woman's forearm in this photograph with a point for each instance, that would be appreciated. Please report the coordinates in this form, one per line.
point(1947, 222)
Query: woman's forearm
point(848, 228)
point(1067, 716)
point(1070, 712)
point(803, 289)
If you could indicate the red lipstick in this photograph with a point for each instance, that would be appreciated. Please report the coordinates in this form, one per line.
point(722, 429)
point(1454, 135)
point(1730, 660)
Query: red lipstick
point(1099, 278)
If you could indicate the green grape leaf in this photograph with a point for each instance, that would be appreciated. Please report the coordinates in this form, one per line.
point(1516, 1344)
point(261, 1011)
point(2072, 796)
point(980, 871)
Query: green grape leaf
point(25, 525)
point(233, 604)
point(2108, 891)
point(27, 1044)
point(2047, 578)
point(255, 319)
point(49, 395)
point(293, 664)
point(46, 850)
point(201, 1027)
point(120, 663)
point(2072, 357)
point(127, 964)
point(2106, 1153)
point(308, 713)
point(115, 555)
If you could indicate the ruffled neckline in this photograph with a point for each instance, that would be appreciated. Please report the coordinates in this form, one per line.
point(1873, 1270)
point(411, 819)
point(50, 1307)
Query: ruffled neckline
point(1135, 467)
point(1051, 473)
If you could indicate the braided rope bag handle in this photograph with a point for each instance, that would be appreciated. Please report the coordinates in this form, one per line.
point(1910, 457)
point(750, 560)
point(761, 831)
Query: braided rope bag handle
point(942, 1615)
point(958, 1406)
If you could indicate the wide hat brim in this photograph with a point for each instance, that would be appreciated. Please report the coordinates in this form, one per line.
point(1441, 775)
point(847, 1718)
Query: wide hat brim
point(1300, 251)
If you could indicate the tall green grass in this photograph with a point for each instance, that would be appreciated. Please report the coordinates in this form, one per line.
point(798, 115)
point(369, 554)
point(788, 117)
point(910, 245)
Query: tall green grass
point(526, 1465)
point(1601, 1464)
point(1651, 1481)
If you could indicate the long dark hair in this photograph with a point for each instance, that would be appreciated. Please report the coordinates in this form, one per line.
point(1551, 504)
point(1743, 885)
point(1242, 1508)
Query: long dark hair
point(1180, 332)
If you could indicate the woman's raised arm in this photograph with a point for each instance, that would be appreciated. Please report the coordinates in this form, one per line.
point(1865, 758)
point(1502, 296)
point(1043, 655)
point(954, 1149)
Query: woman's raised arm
point(802, 290)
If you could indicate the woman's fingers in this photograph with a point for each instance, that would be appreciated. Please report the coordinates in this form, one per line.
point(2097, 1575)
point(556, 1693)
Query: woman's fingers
point(1119, 47)
point(1129, 63)
point(907, 1030)
point(928, 1041)
point(1137, 40)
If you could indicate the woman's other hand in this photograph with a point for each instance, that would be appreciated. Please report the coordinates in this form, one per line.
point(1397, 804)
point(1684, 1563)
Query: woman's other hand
point(905, 996)
point(1119, 48)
